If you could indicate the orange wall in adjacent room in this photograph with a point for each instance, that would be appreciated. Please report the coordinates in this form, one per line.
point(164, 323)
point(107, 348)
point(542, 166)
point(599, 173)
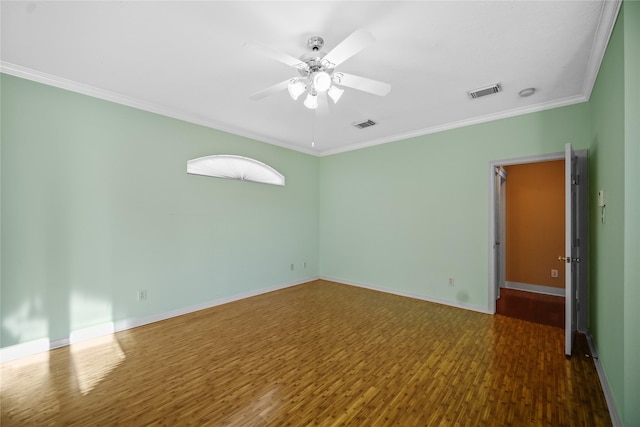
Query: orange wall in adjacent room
point(535, 223)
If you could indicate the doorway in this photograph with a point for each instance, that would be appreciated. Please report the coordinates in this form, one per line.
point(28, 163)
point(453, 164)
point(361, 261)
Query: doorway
point(532, 230)
point(570, 261)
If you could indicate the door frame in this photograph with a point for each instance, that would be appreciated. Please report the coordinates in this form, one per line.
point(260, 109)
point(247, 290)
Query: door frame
point(582, 306)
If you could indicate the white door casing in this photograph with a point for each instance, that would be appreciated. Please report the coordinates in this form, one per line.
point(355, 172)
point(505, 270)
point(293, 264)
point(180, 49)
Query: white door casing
point(577, 315)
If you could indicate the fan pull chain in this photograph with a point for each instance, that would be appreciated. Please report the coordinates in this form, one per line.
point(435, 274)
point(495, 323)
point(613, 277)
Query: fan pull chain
point(313, 131)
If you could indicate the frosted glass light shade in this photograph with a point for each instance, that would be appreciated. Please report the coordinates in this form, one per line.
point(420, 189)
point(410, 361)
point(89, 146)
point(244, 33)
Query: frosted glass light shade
point(235, 167)
point(321, 81)
point(311, 102)
point(296, 88)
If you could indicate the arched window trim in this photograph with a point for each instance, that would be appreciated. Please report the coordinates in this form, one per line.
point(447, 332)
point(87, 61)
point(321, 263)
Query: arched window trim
point(229, 166)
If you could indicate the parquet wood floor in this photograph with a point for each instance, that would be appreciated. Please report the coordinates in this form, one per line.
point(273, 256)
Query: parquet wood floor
point(316, 354)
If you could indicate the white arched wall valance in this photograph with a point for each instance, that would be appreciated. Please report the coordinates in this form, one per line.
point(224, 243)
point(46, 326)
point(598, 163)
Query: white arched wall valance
point(235, 167)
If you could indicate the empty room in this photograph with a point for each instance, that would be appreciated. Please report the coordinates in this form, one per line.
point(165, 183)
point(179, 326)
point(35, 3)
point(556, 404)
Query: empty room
point(320, 213)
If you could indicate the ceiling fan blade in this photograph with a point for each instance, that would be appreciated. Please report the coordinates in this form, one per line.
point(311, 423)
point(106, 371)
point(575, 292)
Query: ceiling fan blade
point(348, 47)
point(270, 90)
point(277, 55)
point(362, 83)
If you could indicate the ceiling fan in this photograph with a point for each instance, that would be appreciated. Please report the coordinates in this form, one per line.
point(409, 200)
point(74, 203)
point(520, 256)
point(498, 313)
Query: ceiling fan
point(318, 76)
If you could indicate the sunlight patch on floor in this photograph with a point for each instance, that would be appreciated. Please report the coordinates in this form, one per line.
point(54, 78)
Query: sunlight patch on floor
point(94, 359)
point(258, 411)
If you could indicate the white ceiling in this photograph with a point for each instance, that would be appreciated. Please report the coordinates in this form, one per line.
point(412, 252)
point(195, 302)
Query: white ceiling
point(187, 60)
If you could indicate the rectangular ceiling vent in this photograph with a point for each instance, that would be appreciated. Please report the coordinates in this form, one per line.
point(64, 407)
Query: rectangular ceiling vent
point(484, 91)
point(365, 124)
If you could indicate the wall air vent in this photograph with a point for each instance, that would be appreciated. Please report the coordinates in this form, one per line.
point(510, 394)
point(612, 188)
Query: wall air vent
point(365, 124)
point(484, 91)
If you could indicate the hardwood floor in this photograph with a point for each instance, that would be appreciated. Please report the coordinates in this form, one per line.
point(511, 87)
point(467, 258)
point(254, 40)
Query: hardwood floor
point(531, 306)
point(315, 354)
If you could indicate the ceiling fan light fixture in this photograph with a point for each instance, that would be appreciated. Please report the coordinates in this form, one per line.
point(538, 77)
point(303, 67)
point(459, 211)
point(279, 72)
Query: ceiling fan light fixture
point(321, 81)
point(317, 71)
point(296, 88)
point(335, 93)
point(312, 101)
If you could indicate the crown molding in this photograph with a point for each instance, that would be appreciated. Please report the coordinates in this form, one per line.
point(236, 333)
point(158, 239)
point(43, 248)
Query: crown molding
point(608, 14)
point(95, 92)
point(461, 123)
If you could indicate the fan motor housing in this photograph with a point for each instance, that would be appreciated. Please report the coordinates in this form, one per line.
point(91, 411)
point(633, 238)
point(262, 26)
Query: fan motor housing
point(315, 43)
point(313, 59)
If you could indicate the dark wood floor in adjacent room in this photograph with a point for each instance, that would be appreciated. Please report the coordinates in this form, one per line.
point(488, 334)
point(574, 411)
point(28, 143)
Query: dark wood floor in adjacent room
point(531, 306)
point(315, 354)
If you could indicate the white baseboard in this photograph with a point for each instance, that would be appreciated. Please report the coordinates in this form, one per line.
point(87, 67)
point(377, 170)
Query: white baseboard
point(134, 323)
point(471, 307)
point(42, 345)
point(547, 290)
point(613, 411)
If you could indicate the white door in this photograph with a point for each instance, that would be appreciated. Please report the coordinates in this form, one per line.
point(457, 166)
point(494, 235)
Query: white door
point(571, 245)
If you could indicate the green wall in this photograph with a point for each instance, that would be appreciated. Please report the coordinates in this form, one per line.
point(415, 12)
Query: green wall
point(96, 204)
point(614, 166)
point(632, 216)
point(606, 167)
point(408, 215)
point(631, 13)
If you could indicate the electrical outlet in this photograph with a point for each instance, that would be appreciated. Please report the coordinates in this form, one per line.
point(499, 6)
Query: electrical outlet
point(451, 281)
point(142, 295)
point(554, 273)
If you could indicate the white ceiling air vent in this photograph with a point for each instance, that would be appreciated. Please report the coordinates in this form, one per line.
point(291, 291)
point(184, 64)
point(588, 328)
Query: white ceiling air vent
point(364, 124)
point(484, 91)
